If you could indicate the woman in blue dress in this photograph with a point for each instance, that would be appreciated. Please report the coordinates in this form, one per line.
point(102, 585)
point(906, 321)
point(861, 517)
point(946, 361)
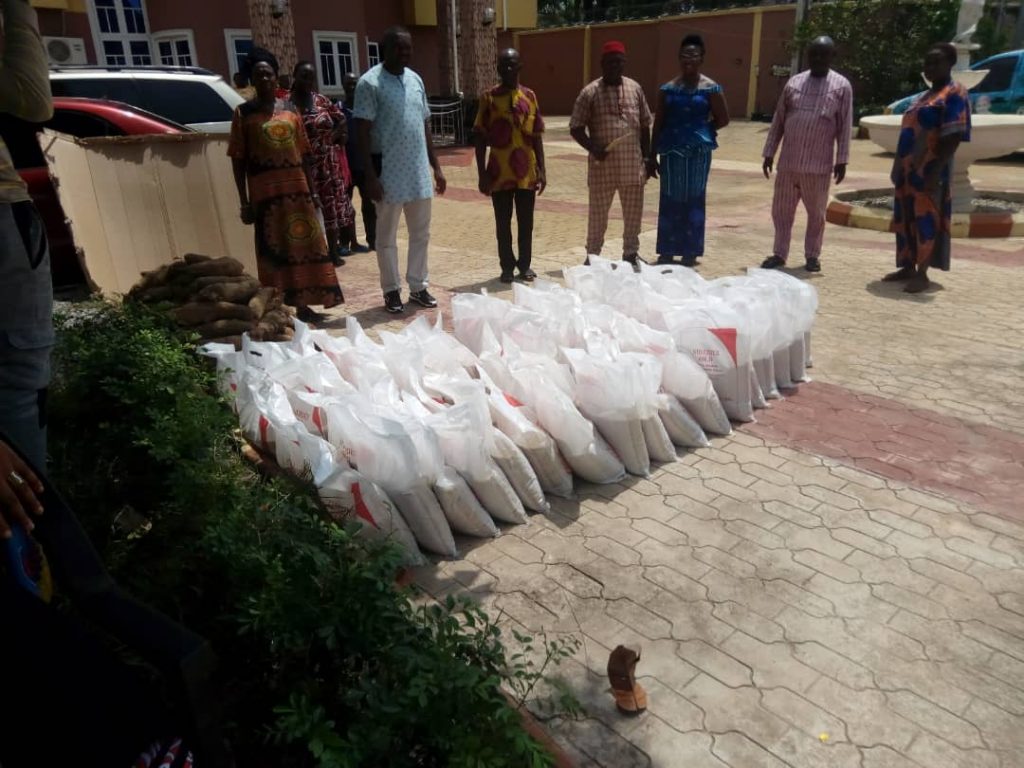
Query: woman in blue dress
point(691, 110)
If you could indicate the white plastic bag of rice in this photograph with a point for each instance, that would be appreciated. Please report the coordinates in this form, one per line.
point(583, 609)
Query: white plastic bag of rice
point(617, 391)
point(684, 379)
point(421, 510)
point(764, 369)
point(520, 474)
point(757, 398)
point(683, 430)
point(710, 331)
point(798, 360)
point(230, 363)
point(348, 496)
point(517, 421)
point(461, 508)
point(597, 463)
point(783, 371)
point(497, 495)
point(659, 443)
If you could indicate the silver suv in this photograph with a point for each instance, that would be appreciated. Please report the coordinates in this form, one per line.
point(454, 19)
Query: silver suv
point(190, 96)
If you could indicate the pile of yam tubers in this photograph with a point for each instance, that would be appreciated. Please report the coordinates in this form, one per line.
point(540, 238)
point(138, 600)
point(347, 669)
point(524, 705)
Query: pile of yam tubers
point(216, 299)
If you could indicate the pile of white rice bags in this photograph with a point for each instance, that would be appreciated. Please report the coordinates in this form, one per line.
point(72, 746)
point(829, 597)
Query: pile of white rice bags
point(423, 434)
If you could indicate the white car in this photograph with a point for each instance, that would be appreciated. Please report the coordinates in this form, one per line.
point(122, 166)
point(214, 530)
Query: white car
point(197, 98)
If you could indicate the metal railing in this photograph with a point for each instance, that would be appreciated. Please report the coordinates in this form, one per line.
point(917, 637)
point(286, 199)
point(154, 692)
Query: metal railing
point(447, 122)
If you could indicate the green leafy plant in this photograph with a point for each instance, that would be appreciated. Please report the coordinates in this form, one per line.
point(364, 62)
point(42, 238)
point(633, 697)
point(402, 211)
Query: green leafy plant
point(324, 661)
point(881, 43)
point(991, 36)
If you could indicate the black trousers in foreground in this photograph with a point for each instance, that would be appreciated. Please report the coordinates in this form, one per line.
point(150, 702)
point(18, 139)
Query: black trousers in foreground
point(523, 200)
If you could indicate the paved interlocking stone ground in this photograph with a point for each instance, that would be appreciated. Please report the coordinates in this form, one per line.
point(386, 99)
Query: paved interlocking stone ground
point(840, 584)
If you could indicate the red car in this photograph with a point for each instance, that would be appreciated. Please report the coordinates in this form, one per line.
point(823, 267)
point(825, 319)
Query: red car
point(83, 118)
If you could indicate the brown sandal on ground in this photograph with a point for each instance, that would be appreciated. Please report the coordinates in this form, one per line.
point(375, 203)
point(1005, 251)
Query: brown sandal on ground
point(630, 697)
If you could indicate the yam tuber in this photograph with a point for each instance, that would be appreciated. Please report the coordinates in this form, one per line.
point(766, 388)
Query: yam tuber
point(259, 303)
point(198, 313)
point(237, 293)
point(219, 328)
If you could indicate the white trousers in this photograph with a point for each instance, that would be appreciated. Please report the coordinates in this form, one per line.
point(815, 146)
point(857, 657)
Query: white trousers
point(417, 219)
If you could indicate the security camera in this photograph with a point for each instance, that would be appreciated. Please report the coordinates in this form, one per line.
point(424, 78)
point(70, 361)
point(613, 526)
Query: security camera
point(488, 17)
point(278, 8)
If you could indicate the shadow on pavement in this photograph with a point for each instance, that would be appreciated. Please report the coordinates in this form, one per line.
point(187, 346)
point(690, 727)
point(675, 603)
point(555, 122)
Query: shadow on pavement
point(492, 285)
point(895, 291)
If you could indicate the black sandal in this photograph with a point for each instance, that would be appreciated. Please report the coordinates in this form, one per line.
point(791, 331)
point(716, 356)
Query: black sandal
point(773, 262)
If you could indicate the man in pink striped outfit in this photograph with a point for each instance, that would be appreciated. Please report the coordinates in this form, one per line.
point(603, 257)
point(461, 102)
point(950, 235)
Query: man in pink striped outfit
point(814, 114)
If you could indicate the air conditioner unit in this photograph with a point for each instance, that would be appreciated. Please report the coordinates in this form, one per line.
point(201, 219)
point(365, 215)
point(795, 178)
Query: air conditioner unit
point(62, 51)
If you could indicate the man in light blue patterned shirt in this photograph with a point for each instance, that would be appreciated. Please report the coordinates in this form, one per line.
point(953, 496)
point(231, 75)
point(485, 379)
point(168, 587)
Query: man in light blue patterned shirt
point(393, 121)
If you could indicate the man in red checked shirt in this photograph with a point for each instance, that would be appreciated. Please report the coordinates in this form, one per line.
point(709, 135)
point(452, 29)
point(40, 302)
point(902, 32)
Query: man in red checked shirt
point(508, 121)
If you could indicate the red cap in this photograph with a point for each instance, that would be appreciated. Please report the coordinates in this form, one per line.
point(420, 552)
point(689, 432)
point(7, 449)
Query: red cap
point(613, 46)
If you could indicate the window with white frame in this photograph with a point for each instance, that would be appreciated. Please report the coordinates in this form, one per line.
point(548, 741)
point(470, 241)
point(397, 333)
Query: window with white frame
point(175, 48)
point(336, 55)
point(372, 54)
point(239, 44)
point(121, 32)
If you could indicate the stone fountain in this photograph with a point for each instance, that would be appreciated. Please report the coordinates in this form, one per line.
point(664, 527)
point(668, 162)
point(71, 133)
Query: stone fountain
point(991, 135)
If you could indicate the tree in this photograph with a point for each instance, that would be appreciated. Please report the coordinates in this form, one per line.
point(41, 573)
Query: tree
point(881, 43)
point(275, 33)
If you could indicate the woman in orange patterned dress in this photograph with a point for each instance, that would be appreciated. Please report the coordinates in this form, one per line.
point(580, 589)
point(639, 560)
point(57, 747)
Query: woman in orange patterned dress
point(271, 157)
point(932, 129)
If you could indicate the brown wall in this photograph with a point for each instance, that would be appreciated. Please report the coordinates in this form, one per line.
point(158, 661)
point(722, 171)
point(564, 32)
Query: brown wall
point(53, 23)
point(776, 32)
point(553, 66)
point(211, 50)
point(552, 60)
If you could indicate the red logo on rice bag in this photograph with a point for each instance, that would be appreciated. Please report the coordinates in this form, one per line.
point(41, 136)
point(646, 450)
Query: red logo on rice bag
point(512, 401)
point(318, 421)
point(362, 510)
point(264, 426)
point(728, 337)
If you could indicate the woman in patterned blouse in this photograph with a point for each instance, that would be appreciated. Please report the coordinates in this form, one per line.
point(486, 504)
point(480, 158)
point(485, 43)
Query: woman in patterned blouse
point(271, 159)
point(691, 110)
point(327, 130)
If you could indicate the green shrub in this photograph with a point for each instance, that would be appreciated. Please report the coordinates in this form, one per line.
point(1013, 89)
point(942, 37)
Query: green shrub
point(323, 660)
point(881, 43)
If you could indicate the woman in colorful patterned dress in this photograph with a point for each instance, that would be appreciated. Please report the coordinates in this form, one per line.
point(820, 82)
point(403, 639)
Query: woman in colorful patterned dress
point(327, 130)
point(272, 164)
point(933, 127)
point(691, 109)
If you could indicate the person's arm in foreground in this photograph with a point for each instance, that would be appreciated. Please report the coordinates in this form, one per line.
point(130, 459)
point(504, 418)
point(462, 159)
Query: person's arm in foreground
point(17, 500)
point(24, 72)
